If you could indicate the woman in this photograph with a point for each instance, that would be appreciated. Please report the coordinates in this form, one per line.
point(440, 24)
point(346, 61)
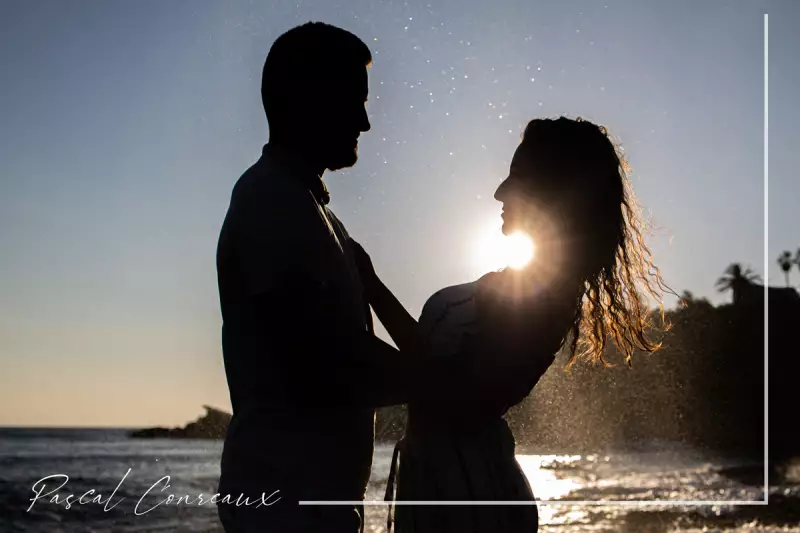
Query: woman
point(567, 188)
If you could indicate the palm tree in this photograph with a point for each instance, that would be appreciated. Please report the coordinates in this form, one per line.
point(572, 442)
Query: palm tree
point(686, 299)
point(785, 261)
point(797, 258)
point(736, 279)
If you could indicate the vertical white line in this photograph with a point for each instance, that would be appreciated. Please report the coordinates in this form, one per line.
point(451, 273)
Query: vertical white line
point(766, 258)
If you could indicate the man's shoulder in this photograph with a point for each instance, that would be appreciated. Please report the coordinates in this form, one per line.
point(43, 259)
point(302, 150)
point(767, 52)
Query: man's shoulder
point(268, 184)
point(267, 195)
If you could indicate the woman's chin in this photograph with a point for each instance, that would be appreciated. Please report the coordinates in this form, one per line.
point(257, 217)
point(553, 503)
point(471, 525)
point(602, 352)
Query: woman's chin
point(508, 228)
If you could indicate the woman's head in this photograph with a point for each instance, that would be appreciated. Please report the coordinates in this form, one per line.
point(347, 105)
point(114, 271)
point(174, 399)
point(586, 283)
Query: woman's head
point(568, 189)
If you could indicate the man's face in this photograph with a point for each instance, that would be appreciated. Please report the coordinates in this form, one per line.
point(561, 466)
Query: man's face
point(342, 117)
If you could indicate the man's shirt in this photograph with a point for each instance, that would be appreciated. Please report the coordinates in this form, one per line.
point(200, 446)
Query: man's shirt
point(279, 234)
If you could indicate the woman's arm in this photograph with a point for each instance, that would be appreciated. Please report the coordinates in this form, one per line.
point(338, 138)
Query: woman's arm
point(402, 327)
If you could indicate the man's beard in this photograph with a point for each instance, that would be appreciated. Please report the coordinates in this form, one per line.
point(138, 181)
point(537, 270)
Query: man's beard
point(342, 157)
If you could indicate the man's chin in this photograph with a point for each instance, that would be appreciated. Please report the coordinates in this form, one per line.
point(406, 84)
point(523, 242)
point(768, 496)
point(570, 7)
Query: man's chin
point(345, 160)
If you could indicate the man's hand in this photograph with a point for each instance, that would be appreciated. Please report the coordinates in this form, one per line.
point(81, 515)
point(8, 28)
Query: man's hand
point(366, 270)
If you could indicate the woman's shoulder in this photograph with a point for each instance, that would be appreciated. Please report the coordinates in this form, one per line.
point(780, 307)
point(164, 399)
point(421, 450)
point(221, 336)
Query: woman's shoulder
point(445, 316)
point(449, 295)
point(451, 307)
point(455, 294)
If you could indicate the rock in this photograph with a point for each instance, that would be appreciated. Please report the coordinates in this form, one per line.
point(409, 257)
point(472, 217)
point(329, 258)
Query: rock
point(212, 425)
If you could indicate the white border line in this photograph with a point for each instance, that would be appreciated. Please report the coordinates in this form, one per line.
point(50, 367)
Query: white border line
point(765, 501)
point(381, 503)
point(766, 258)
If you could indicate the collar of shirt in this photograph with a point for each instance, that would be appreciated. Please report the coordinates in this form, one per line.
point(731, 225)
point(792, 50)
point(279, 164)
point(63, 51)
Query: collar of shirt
point(294, 164)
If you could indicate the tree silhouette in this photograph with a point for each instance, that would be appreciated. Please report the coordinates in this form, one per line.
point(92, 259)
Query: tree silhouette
point(785, 261)
point(797, 258)
point(686, 299)
point(736, 279)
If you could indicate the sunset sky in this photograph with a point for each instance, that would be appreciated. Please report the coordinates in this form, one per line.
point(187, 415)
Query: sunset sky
point(126, 124)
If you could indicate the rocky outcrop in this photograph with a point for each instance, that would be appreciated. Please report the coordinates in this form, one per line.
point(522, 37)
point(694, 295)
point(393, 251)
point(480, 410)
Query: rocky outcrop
point(389, 426)
point(212, 425)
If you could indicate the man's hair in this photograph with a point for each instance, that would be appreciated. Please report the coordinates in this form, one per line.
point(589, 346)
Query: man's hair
point(303, 59)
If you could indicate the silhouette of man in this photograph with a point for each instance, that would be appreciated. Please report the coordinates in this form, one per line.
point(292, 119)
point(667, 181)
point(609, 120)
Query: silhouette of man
point(304, 369)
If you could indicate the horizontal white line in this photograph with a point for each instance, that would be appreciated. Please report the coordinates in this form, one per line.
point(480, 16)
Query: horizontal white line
point(538, 502)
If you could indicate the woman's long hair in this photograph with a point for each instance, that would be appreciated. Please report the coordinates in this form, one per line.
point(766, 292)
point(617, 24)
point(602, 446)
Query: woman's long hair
point(605, 222)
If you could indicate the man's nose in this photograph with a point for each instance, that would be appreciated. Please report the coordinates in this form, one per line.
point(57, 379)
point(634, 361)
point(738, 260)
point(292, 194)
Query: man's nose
point(365, 125)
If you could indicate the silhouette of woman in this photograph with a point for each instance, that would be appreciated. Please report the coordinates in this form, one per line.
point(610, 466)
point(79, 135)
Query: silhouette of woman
point(567, 188)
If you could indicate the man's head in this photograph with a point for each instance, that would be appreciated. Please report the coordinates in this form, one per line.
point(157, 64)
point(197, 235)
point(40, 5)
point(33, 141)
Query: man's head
point(314, 90)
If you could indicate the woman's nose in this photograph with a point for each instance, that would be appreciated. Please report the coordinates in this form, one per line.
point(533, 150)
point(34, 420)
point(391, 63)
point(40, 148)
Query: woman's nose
point(500, 193)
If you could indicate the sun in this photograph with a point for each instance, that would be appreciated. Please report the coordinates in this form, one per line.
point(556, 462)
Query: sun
point(494, 251)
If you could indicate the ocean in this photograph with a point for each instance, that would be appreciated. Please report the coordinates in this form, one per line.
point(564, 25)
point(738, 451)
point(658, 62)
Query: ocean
point(105, 459)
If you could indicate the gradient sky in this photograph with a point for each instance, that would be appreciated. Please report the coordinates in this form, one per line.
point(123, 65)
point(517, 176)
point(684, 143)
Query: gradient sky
point(126, 124)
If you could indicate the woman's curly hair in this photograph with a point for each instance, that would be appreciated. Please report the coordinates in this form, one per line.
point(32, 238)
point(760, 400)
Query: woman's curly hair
point(618, 266)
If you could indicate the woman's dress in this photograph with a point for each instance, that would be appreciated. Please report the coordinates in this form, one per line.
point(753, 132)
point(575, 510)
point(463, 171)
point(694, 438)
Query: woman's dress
point(439, 462)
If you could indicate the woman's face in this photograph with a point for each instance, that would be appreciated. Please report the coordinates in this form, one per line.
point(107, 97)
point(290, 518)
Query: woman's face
point(524, 197)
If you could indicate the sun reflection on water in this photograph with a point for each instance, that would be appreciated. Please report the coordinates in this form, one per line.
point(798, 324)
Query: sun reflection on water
point(547, 485)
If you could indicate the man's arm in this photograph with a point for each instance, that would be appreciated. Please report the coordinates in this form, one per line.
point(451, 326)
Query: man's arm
point(326, 363)
point(289, 317)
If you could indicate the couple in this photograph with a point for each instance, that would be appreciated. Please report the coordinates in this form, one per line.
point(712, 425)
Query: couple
point(304, 368)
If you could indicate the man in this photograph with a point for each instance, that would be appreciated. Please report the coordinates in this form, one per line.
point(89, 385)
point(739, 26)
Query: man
point(304, 369)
